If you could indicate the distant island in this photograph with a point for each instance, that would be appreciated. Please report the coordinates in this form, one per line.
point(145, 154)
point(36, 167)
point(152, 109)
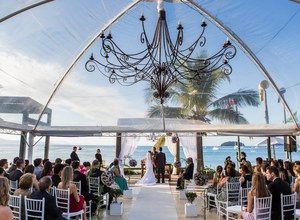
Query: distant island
point(232, 143)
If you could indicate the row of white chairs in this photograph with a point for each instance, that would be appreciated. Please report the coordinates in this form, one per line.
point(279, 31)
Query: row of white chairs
point(212, 197)
point(60, 195)
point(237, 199)
point(36, 208)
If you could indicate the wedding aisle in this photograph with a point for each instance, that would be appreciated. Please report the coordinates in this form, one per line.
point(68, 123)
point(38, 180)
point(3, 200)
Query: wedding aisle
point(154, 202)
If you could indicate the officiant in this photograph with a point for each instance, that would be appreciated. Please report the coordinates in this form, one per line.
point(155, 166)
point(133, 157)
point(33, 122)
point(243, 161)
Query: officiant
point(187, 174)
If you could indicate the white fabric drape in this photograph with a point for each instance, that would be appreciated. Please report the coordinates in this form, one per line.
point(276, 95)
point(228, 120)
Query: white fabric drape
point(128, 146)
point(189, 146)
point(171, 146)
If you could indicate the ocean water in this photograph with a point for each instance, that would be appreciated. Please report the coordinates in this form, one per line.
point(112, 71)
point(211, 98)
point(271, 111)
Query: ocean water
point(212, 158)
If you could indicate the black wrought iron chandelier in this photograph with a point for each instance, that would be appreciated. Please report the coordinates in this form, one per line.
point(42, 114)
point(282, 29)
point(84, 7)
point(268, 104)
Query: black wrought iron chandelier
point(161, 63)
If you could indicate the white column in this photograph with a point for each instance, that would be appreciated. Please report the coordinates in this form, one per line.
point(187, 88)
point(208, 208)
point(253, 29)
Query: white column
point(30, 147)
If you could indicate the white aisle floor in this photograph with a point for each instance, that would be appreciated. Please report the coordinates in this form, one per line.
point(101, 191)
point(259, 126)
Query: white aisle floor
point(154, 203)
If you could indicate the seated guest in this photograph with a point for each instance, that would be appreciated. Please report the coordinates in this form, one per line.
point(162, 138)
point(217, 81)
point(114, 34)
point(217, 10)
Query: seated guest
point(5, 211)
point(188, 174)
point(13, 166)
point(38, 167)
point(16, 174)
point(217, 177)
point(245, 176)
point(296, 188)
point(77, 202)
point(288, 166)
point(259, 166)
point(276, 187)
point(96, 172)
point(119, 179)
point(230, 173)
point(25, 184)
point(51, 210)
point(85, 168)
point(68, 161)
point(30, 169)
point(56, 178)
point(283, 175)
point(1, 171)
point(58, 161)
point(4, 165)
point(77, 176)
point(259, 190)
point(47, 170)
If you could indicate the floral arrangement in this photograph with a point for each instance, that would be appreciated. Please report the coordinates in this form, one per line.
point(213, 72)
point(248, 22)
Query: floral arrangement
point(191, 196)
point(175, 139)
point(132, 163)
point(177, 164)
point(107, 178)
point(200, 178)
point(115, 193)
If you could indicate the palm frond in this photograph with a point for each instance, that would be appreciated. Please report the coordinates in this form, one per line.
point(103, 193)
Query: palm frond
point(241, 98)
point(155, 111)
point(228, 116)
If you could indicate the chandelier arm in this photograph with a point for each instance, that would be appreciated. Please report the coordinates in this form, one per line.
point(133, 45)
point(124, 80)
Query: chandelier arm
point(163, 63)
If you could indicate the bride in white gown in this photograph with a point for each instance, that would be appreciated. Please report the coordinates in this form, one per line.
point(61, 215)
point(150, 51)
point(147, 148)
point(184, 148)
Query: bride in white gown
point(149, 177)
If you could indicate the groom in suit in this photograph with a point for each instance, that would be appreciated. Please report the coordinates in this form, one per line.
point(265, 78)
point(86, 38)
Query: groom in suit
point(160, 162)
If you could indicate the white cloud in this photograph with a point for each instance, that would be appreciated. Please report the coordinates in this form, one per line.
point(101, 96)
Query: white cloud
point(77, 102)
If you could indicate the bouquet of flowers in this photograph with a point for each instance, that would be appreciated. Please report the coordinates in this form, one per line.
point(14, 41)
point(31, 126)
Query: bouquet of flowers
point(200, 178)
point(177, 164)
point(132, 163)
point(107, 178)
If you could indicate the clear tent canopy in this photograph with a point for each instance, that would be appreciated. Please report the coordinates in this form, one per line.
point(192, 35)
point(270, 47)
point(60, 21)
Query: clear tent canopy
point(44, 46)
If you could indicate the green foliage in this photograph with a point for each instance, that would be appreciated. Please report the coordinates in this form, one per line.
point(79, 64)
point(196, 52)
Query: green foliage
point(116, 193)
point(191, 196)
point(130, 172)
point(209, 170)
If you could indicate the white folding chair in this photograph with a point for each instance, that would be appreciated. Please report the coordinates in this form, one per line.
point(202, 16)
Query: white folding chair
point(297, 213)
point(212, 199)
point(15, 203)
point(63, 203)
point(232, 197)
point(34, 208)
point(262, 208)
point(89, 203)
point(94, 184)
point(288, 206)
point(78, 185)
point(52, 190)
point(243, 202)
point(13, 185)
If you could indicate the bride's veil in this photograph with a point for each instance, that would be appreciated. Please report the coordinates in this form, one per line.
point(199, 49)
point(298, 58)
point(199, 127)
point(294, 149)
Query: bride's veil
point(149, 161)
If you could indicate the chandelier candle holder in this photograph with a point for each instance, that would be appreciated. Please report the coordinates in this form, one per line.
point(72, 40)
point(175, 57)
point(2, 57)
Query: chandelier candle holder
point(162, 63)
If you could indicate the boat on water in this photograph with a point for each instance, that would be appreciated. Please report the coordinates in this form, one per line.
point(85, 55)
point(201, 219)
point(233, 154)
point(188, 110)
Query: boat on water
point(215, 148)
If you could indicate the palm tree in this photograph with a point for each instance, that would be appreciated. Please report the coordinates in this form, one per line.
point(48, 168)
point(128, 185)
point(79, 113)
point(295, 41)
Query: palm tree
point(199, 101)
